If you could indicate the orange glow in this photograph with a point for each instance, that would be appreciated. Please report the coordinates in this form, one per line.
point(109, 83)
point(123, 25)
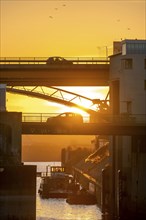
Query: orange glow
point(81, 28)
point(27, 104)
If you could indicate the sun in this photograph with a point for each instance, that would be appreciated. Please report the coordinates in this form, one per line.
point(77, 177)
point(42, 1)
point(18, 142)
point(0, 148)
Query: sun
point(79, 111)
point(85, 115)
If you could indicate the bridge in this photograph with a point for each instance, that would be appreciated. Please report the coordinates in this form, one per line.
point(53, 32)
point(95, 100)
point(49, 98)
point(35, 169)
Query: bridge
point(35, 123)
point(126, 129)
point(61, 96)
point(87, 72)
point(35, 71)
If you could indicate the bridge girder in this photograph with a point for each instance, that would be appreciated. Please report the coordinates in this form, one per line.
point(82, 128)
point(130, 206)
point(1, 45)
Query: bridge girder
point(41, 94)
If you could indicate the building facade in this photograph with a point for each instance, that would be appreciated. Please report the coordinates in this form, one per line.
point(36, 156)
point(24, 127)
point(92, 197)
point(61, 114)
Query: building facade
point(128, 153)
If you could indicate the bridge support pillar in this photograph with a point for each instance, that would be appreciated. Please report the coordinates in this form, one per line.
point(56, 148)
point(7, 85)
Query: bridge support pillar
point(2, 97)
point(17, 181)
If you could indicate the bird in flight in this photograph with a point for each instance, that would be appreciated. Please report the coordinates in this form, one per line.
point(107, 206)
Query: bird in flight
point(50, 17)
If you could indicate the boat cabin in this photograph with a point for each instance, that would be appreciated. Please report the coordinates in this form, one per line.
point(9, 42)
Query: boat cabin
point(57, 170)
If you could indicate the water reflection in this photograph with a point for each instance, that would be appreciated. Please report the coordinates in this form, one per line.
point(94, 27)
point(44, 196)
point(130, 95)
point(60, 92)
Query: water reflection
point(58, 209)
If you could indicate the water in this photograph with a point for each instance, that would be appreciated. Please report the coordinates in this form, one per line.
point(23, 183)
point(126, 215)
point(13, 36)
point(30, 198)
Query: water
point(58, 209)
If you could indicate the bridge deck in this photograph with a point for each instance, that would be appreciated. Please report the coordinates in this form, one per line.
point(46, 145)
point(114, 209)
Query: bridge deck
point(84, 129)
point(54, 75)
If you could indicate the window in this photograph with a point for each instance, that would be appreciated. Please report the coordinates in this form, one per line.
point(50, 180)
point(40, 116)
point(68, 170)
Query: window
point(134, 47)
point(127, 63)
point(124, 49)
point(129, 107)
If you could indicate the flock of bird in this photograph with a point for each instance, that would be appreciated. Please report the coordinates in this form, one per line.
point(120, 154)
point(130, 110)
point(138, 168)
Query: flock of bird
point(63, 5)
point(51, 17)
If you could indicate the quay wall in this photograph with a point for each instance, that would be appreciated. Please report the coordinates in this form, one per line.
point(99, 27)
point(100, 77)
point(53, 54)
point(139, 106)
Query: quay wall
point(17, 181)
point(18, 192)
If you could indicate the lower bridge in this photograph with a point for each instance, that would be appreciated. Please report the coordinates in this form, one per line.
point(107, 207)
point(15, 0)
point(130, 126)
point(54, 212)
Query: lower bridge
point(127, 129)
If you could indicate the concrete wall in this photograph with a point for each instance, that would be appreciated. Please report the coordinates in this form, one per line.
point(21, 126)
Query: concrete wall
point(18, 192)
point(2, 97)
point(131, 82)
point(17, 181)
point(10, 138)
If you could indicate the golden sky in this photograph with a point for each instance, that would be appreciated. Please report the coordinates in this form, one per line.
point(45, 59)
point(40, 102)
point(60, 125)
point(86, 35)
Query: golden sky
point(15, 102)
point(69, 28)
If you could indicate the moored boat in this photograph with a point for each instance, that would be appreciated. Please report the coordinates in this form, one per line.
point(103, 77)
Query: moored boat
point(55, 183)
point(81, 197)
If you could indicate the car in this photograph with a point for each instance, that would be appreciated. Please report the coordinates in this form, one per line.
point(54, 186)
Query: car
point(58, 60)
point(65, 119)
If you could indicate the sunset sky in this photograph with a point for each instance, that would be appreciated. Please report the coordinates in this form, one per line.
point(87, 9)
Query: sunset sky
point(71, 28)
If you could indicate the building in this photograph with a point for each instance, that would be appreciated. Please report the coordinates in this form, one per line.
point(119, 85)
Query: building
point(128, 153)
point(128, 79)
point(119, 177)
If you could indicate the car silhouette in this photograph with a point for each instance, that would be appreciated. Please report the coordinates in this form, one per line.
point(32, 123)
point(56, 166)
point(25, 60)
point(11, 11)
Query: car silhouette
point(65, 119)
point(58, 60)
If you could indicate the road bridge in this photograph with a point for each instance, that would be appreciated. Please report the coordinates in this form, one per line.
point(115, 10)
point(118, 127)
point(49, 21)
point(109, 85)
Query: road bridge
point(103, 125)
point(42, 128)
point(32, 72)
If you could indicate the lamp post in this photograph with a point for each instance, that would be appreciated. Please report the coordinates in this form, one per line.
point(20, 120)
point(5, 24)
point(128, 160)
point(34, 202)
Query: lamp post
point(106, 50)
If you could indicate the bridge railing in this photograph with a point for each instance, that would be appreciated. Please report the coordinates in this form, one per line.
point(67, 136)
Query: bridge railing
point(36, 117)
point(104, 118)
point(42, 117)
point(42, 60)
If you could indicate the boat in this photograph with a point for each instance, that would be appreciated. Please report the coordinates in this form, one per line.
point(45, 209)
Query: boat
point(81, 197)
point(55, 183)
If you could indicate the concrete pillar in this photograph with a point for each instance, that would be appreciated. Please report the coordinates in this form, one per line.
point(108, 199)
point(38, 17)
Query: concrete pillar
point(2, 97)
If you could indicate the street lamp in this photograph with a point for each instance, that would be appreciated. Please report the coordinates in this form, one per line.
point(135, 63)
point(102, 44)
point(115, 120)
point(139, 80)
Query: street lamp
point(106, 50)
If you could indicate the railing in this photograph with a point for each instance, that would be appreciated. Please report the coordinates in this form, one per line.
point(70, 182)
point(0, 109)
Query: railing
point(42, 117)
point(104, 118)
point(43, 60)
point(37, 117)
